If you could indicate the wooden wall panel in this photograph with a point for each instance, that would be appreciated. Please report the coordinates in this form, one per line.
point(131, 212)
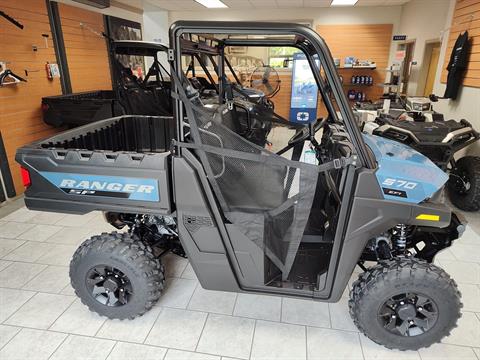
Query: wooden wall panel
point(20, 114)
point(365, 42)
point(87, 54)
point(466, 17)
point(282, 98)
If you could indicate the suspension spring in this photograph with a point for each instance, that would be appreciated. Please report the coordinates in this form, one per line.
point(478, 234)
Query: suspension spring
point(399, 238)
point(138, 220)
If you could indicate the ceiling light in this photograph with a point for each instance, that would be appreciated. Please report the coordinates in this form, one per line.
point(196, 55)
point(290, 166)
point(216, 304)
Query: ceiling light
point(212, 4)
point(343, 2)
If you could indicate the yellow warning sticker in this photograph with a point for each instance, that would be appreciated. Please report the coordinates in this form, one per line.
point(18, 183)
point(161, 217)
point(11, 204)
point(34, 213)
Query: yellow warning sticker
point(428, 217)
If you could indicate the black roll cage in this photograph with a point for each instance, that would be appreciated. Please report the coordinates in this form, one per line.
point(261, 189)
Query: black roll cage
point(195, 49)
point(307, 40)
point(143, 48)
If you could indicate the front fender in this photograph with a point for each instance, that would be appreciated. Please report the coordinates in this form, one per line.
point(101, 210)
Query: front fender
point(403, 173)
point(371, 215)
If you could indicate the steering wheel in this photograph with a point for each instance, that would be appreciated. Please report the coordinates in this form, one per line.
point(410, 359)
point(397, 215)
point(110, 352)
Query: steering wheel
point(307, 132)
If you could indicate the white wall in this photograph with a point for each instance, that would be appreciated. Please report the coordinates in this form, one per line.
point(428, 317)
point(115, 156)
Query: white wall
point(155, 28)
point(425, 21)
point(155, 24)
point(422, 21)
point(467, 104)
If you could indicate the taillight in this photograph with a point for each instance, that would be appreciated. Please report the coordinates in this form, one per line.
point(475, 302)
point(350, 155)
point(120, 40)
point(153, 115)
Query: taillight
point(26, 177)
point(45, 107)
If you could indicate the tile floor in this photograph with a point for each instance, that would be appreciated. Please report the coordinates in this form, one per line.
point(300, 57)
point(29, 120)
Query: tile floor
point(40, 318)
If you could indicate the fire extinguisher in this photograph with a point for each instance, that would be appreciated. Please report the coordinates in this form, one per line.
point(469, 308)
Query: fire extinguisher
point(47, 69)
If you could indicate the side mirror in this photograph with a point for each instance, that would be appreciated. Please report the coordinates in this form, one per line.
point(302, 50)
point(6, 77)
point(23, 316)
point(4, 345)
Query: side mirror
point(433, 98)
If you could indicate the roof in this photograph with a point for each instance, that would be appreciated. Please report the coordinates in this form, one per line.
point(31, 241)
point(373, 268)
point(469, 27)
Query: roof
point(139, 48)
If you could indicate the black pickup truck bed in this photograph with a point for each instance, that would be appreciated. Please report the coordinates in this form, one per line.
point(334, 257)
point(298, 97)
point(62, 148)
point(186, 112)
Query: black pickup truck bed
point(119, 164)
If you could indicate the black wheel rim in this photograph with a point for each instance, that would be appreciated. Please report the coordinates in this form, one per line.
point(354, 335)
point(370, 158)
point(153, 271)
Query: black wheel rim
point(408, 314)
point(461, 182)
point(109, 285)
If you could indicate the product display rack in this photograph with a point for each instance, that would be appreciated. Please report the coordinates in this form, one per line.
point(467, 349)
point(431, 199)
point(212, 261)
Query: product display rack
point(394, 87)
point(368, 67)
point(364, 88)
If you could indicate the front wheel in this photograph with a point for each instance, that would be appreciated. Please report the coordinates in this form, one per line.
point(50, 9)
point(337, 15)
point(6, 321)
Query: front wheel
point(464, 184)
point(116, 275)
point(405, 304)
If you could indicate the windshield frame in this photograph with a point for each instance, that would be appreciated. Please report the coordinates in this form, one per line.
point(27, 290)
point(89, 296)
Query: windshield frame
point(305, 39)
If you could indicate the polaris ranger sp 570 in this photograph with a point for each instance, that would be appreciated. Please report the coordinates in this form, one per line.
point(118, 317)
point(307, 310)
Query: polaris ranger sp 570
point(250, 219)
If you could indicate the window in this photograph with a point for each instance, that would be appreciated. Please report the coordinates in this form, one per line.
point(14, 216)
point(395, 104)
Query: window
point(279, 57)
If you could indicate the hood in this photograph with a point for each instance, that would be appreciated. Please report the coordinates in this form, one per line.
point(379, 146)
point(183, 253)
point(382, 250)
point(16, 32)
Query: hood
point(403, 173)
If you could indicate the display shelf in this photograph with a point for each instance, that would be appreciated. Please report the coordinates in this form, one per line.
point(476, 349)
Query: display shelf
point(371, 67)
point(351, 84)
point(359, 101)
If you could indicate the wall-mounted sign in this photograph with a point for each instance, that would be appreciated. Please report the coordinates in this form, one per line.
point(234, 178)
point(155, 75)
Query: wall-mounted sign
point(400, 55)
point(399, 37)
point(303, 104)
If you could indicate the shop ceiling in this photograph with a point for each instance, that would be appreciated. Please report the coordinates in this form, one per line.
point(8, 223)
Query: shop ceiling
point(182, 5)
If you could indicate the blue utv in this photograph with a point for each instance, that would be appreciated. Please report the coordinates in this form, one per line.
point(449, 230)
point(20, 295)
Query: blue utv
point(251, 218)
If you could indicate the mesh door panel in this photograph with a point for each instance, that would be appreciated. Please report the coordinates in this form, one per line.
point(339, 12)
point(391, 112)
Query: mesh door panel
point(266, 196)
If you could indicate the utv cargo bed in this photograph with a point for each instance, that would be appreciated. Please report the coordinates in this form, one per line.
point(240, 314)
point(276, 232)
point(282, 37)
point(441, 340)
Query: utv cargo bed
point(80, 108)
point(118, 164)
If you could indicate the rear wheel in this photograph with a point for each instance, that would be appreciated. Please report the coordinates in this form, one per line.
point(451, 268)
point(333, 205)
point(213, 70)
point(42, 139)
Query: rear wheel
point(116, 275)
point(405, 304)
point(464, 184)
